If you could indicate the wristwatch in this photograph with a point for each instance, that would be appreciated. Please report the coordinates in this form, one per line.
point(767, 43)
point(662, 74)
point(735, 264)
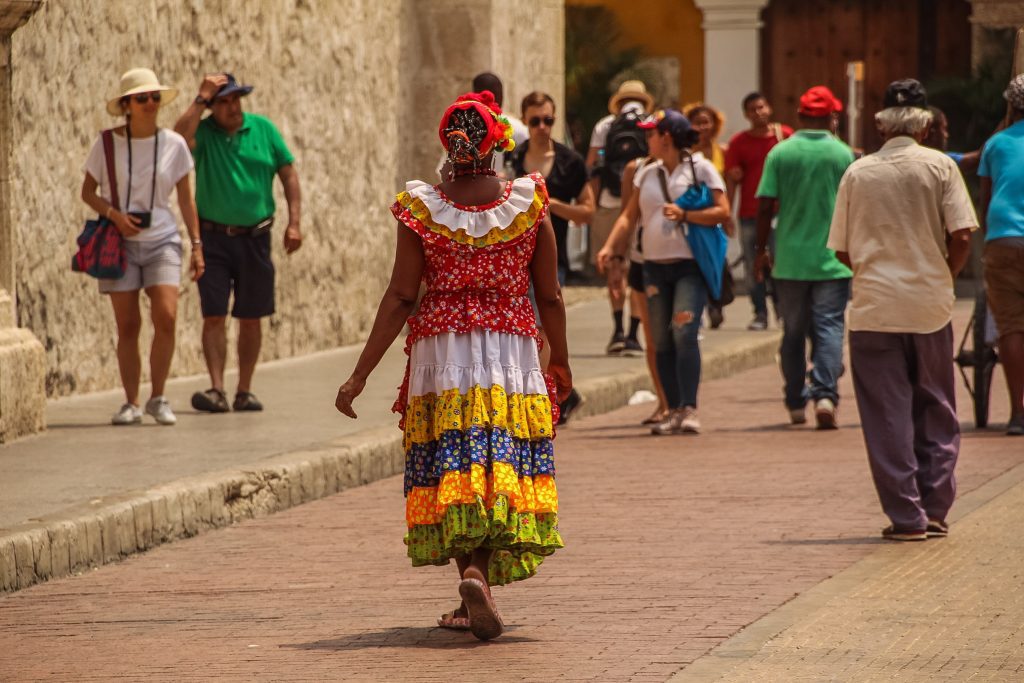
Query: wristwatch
point(202, 100)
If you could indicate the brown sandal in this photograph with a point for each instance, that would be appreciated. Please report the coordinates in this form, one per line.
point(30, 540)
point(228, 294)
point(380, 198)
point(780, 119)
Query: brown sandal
point(484, 620)
point(657, 417)
point(452, 621)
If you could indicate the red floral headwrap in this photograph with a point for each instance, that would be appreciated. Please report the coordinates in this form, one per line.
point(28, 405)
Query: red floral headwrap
point(466, 142)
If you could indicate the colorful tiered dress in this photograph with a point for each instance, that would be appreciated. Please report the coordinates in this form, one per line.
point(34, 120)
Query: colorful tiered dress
point(476, 407)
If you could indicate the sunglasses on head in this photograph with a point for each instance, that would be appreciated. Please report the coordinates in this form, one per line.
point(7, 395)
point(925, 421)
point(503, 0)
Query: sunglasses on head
point(144, 97)
point(537, 120)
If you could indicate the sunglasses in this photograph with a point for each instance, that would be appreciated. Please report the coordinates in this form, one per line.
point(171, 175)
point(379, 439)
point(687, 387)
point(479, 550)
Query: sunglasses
point(537, 120)
point(144, 97)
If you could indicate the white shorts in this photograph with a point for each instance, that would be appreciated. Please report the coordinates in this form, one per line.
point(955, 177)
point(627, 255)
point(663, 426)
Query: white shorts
point(149, 263)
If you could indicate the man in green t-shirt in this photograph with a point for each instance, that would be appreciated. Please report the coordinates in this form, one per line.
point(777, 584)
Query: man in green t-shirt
point(237, 156)
point(802, 175)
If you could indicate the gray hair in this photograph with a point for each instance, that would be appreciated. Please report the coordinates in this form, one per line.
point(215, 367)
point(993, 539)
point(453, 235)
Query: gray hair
point(903, 120)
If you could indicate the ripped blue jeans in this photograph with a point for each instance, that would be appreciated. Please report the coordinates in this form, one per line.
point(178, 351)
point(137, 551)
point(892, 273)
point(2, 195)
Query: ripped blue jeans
point(676, 295)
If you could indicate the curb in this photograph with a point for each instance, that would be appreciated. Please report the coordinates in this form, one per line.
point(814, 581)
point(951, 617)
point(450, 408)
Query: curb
point(109, 529)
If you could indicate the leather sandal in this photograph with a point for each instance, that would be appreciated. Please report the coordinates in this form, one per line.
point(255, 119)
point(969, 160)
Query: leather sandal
point(246, 401)
point(210, 401)
point(484, 620)
point(453, 621)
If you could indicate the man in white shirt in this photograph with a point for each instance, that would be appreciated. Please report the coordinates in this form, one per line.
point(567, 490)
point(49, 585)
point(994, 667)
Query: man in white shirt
point(629, 104)
point(902, 222)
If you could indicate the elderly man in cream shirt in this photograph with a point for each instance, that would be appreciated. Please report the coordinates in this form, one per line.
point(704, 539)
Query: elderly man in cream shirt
point(902, 222)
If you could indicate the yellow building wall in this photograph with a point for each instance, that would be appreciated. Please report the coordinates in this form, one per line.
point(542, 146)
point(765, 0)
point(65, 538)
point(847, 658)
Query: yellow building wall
point(663, 28)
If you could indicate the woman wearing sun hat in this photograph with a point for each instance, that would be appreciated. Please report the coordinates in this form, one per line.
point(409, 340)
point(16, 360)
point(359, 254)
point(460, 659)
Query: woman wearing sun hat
point(149, 163)
point(476, 407)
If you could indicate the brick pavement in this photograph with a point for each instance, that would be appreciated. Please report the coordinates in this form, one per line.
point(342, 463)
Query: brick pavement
point(674, 545)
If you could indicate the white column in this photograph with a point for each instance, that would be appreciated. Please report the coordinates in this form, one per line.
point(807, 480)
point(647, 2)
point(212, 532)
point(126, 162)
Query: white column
point(732, 56)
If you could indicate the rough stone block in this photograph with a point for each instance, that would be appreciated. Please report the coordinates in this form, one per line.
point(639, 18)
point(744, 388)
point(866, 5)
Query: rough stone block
point(22, 384)
point(142, 512)
point(41, 557)
point(294, 478)
point(175, 522)
point(317, 486)
point(219, 514)
point(24, 562)
point(330, 464)
point(108, 534)
point(93, 553)
point(189, 515)
point(124, 526)
point(161, 524)
point(60, 548)
point(348, 470)
point(8, 569)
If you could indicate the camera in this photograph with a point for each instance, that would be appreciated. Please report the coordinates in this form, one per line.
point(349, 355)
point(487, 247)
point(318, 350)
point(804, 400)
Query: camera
point(144, 218)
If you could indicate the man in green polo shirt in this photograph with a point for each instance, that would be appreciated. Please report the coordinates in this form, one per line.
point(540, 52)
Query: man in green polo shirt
point(802, 174)
point(237, 156)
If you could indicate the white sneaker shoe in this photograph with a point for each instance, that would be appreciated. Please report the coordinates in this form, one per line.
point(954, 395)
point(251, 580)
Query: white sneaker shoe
point(825, 413)
point(128, 415)
point(689, 423)
point(160, 409)
point(672, 425)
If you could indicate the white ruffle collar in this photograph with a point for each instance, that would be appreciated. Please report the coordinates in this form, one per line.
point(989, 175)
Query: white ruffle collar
point(475, 222)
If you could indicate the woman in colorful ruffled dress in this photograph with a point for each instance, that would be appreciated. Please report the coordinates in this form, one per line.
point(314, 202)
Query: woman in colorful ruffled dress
point(476, 407)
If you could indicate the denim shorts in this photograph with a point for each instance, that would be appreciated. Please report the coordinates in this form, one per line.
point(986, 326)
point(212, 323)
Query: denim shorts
point(150, 263)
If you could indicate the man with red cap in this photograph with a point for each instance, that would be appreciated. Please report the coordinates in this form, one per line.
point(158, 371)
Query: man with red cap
point(802, 175)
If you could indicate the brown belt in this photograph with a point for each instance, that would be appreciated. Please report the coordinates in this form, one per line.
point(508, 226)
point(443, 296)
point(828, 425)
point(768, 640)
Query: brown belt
point(238, 230)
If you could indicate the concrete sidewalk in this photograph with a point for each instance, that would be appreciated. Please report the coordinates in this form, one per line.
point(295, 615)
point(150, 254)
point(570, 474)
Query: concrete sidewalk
point(85, 492)
point(675, 548)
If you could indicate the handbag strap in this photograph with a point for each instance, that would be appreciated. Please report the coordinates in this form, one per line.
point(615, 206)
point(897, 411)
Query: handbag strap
point(108, 152)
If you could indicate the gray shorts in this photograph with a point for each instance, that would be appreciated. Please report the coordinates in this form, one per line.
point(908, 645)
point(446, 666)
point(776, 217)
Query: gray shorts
point(149, 263)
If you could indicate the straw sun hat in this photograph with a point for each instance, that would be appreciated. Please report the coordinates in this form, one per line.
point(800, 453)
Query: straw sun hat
point(135, 81)
point(630, 90)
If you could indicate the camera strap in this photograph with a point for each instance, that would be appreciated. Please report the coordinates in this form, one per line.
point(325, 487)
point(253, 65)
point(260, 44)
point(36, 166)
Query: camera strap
point(156, 159)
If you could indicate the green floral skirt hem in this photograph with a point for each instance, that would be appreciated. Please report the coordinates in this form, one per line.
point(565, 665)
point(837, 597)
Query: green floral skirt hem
point(520, 540)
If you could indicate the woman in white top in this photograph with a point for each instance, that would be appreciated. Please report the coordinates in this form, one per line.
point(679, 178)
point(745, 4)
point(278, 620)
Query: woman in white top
point(676, 291)
point(149, 163)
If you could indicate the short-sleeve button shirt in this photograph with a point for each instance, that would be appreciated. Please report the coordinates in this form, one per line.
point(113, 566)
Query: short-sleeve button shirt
point(893, 212)
point(235, 173)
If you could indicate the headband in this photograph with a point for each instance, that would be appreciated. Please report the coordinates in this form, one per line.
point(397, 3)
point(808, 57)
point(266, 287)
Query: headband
point(497, 129)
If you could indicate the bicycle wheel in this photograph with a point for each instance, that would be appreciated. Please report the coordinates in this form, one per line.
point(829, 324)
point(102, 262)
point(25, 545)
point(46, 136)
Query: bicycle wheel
point(984, 361)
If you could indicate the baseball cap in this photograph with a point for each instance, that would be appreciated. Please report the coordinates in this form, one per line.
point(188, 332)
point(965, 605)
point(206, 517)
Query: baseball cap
point(819, 102)
point(907, 92)
point(667, 120)
point(231, 87)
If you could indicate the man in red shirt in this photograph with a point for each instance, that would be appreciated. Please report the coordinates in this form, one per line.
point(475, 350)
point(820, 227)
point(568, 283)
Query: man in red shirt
point(744, 162)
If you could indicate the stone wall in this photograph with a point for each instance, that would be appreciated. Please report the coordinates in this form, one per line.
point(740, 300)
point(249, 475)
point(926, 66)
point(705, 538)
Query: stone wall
point(356, 87)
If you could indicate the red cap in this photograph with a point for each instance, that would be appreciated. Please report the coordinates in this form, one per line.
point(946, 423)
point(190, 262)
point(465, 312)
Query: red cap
point(819, 101)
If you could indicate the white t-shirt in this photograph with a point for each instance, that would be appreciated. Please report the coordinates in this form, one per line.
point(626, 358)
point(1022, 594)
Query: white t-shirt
point(175, 162)
point(662, 239)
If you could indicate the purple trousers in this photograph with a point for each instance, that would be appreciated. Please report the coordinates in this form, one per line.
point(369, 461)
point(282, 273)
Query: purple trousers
point(905, 394)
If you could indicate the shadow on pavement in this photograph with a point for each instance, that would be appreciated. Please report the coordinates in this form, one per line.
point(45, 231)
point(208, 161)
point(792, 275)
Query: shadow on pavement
point(431, 637)
point(865, 540)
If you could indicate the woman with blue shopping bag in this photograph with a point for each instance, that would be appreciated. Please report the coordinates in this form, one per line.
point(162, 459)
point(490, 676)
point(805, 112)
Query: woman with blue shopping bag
point(681, 202)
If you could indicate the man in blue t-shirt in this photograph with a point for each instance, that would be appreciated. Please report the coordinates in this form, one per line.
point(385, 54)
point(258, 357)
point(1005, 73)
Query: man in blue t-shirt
point(1002, 212)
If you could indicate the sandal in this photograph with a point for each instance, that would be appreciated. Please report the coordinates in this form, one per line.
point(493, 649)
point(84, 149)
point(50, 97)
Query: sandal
point(657, 417)
point(484, 620)
point(210, 401)
point(452, 621)
point(245, 400)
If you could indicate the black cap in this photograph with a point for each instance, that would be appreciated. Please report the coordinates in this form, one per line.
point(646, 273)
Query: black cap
point(905, 93)
point(232, 87)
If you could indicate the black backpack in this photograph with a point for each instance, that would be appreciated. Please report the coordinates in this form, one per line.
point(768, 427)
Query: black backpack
point(625, 142)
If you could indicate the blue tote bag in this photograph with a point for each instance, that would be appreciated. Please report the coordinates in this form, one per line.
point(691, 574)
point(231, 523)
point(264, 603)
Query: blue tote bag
point(707, 242)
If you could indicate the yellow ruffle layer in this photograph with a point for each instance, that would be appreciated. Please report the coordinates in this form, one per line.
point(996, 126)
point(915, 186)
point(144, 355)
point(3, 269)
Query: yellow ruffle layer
point(523, 416)
point(427, 505)
point(519, 226)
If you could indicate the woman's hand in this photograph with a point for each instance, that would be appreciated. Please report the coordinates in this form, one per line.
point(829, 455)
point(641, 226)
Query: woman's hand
point(563, 379)
point(672, 212)
point(348, 393)
point(198, 263)
point(125, 224)
point(605, 255)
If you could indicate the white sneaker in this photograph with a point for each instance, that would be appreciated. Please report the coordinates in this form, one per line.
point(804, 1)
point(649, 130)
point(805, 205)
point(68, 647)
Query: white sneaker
point(128, 415)
point(689, 423)
point(825, 413)
point(672, 425)
point(160, 409)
